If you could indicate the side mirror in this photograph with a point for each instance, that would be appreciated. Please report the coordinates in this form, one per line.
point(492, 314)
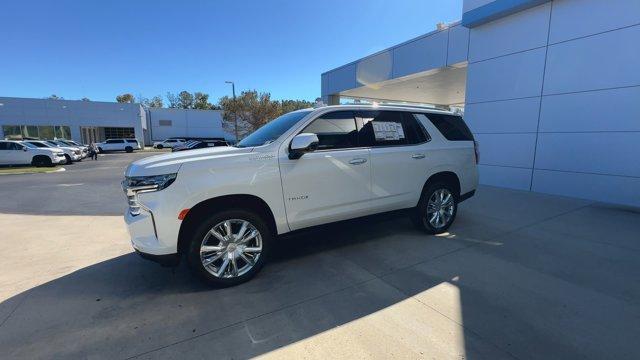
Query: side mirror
point(301, 144)
point(25, 148)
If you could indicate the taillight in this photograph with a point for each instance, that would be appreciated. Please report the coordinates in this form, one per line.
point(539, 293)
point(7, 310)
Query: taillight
point(476, 149)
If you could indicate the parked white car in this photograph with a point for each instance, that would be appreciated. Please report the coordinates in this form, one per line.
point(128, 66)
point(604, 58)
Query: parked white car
point(127, 145)
point(222, 207)
point(21, 153)
point(83, 148)
point(71, 154)
point(168, 143)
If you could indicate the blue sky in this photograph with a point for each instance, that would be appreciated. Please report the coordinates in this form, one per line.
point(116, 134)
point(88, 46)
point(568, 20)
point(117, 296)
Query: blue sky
point(99, 49)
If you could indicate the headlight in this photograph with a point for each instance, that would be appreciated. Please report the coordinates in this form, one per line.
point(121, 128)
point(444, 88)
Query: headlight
point(154, 183)
point(134, 185)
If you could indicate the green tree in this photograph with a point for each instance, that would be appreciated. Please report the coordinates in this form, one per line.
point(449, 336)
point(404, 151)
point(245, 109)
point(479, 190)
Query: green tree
point(293, 105)
point(248, 112)
point(201, 101)
point(174, 103)
point(185, 100)
point(55, 97)
point(154, 102)
point(126, 98)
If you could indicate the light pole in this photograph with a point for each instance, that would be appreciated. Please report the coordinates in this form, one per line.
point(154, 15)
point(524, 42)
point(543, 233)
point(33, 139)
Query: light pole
point(235, 116)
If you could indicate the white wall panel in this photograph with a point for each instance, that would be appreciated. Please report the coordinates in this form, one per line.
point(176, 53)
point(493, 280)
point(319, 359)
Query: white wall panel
point(614, 153)
point(374, 68)
point(458, 46)
point(606, 188)
point(521, 31)
point(423, 54)
point(506, 149)
point(509, 77)
point(601, 61)
point(509, 116)
point(513, 178)
point(571, 19)
point(341, 79)
point(604, 110)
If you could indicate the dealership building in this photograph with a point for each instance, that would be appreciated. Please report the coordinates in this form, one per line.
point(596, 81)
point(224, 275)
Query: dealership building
point(550, 89)
point(94, 121)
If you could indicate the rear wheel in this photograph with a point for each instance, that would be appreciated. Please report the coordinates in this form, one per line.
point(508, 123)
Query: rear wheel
point(437, 208)
point(229, 248)
point(128, 149)
point(41, 161)
point(160, 146)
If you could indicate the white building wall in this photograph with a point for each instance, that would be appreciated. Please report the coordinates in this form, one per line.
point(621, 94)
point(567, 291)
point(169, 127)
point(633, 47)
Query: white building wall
point(72, 113)
point(553, 96)
point(186, 123)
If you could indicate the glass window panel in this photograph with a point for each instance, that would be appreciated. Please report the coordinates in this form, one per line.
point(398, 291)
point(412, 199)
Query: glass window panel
point(30, 131)
point(46, 132)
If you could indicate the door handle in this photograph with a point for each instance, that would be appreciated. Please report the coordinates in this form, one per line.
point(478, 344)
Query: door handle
point(357, 161)
point(418, 156)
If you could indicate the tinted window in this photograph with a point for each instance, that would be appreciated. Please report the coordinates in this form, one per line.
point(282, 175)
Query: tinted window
point(132, 141)
point(115, 141)
point(4, 146)
point(336, 130)
point(452, 127)
point(387, 128)
point(273, 129)
point(38, 144)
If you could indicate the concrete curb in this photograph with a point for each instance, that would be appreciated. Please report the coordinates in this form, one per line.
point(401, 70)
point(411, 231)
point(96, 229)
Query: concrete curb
point(38, 172)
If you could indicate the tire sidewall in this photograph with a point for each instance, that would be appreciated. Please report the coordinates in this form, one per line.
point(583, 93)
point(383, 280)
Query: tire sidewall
point(422, 208)
point(128, 149)
point(193, 254)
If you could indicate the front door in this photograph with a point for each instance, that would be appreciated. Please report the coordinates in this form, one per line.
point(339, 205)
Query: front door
point(332, 183)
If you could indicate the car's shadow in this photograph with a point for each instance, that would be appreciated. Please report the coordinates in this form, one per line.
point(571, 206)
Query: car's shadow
point(316, 281)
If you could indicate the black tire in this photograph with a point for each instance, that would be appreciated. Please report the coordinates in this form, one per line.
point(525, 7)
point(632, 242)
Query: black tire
point(419, 216)
point(41, 161)
point(128, 149)
point(201, 234)
point(69, 161)
point(160, 146)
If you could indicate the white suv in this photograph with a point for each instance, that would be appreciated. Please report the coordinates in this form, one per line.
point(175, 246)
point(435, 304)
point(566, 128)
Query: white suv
point(23, 153)
point(127, 145)
point(168, 143)
point(222, 207)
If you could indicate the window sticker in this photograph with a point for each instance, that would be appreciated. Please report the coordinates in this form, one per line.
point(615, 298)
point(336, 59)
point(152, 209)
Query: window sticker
point(387, 130)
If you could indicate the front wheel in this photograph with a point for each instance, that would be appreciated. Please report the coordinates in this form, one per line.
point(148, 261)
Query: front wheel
point(436, 209)
point(159, 146)
point(68, 158)
point(229, 248)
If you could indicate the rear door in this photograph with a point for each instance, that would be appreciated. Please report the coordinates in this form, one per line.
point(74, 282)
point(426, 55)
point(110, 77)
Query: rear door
point(399, 158)
point(332, 183)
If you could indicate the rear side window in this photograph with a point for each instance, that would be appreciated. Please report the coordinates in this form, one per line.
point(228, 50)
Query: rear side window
point(132, 141)
point(115, 141)
point(336, 130)
point(451, 126)
point(4, 146)
point(389, 128)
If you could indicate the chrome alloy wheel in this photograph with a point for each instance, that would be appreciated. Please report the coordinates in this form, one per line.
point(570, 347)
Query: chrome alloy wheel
point(440, 208)
point(231, 248)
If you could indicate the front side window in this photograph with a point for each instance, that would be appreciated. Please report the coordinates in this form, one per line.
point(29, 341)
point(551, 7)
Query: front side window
point(335, 130)
point(37, 144)
point(390, 128)
point(272, 130)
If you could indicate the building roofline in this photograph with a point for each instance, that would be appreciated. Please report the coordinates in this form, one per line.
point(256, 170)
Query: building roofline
point(449, 26)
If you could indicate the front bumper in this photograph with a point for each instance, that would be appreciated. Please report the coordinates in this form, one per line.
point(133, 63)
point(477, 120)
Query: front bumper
point(58, 159)
point(76, 157)
point(144, 234)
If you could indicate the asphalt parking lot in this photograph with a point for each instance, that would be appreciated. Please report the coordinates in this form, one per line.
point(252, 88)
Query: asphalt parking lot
point(519, 276)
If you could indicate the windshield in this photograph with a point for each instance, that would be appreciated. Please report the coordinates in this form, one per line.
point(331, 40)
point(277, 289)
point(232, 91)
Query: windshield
point(52, 143)
point(272, 130)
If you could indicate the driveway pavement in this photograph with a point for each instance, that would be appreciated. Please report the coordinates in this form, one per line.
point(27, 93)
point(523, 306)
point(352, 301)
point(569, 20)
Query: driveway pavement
point(519, 275)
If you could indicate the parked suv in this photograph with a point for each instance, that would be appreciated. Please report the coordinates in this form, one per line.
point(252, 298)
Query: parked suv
point(221, 207)
point(127, 145)
point(70, 153)
point(22, 153)
point(168, 143)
